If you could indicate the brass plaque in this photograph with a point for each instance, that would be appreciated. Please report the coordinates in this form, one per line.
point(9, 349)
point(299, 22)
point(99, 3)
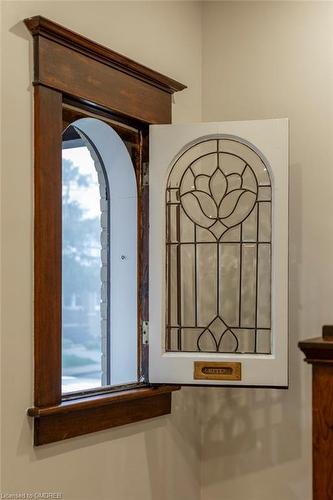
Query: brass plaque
point(213, 370)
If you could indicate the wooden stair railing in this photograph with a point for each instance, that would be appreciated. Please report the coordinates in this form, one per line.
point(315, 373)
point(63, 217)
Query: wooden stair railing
point(319, 353)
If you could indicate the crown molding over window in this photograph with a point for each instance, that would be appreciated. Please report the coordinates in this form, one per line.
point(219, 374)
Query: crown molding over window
point(40, 26)
point(97, 74)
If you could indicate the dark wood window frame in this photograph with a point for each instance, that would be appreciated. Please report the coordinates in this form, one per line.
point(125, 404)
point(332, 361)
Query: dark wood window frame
point(72, 71)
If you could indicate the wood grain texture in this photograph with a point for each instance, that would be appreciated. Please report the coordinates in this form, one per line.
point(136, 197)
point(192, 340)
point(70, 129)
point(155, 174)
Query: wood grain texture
point(77, 75)
point(74, 72)
point(144, 238)
point(47, 246)
point(40, 26)
point(322, 432)
point(317, 350)
point(319, 353)
point(328, 332)
point(100, 400)
point(127, 131)
point(56, 427)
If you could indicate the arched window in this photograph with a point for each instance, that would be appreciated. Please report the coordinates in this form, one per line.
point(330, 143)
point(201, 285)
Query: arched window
point(218, 249)
point(99, 258)
point(122, 97)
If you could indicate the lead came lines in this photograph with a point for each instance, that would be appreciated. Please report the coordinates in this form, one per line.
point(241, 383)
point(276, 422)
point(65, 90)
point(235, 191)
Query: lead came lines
point(215, 200)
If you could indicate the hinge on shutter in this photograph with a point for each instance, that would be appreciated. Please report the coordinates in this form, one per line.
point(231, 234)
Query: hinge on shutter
point(145, 332)
point(145, 174)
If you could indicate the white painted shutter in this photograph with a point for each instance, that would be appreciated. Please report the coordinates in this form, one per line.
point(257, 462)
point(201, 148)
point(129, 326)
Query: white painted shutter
point(224, 170)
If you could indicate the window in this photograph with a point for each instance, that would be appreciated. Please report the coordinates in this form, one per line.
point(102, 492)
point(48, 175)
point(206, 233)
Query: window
point(219, 246)
point(177, 264)
point(94, 323)
point(81, 267)
point(99, 241)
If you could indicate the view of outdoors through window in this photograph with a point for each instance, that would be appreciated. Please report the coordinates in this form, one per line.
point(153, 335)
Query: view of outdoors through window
point(81, 268)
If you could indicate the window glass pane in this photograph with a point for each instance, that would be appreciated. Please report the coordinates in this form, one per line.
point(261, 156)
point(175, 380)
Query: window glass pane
point(218, 228)
point(83, 287)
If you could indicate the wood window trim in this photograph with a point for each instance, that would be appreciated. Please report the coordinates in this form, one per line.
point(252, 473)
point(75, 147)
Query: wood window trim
point(64, 63)
point(95, 413)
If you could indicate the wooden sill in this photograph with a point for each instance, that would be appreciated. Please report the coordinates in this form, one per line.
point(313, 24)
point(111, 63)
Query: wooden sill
point(95, 413)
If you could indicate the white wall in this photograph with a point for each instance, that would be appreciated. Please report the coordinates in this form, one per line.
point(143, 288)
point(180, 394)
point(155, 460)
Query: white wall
point(157, 459)
point(258, 60)
point(270, 60)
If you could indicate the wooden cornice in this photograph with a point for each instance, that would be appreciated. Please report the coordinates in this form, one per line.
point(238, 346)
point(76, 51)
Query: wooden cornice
point(40, 26)
point(317, 350)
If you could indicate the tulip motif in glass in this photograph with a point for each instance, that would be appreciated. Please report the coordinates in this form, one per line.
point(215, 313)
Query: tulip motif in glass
point(218, 249)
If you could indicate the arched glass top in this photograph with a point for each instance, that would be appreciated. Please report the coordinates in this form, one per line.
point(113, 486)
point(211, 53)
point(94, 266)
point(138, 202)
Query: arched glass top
point(99, 258)
point(218, 249)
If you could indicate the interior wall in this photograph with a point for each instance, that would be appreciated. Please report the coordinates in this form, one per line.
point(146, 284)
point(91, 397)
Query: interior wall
point(156, 459)
point(272, 60)
point(258, 60)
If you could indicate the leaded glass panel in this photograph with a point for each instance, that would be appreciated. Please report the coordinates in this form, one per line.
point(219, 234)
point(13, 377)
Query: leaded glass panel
point(218, 250)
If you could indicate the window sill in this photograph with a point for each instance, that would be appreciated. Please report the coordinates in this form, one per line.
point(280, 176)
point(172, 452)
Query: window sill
point(95, 413)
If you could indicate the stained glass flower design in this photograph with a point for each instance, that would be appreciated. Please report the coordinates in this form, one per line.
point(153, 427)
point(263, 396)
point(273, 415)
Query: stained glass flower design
point(218, 279)
point(218, 202)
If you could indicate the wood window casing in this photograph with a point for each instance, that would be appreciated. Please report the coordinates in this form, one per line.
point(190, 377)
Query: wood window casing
point(72, 70)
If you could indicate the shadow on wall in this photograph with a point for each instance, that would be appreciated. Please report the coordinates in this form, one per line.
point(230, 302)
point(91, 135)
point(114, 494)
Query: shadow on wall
point(244, 431)
point(174, 456)
point(248, 430)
